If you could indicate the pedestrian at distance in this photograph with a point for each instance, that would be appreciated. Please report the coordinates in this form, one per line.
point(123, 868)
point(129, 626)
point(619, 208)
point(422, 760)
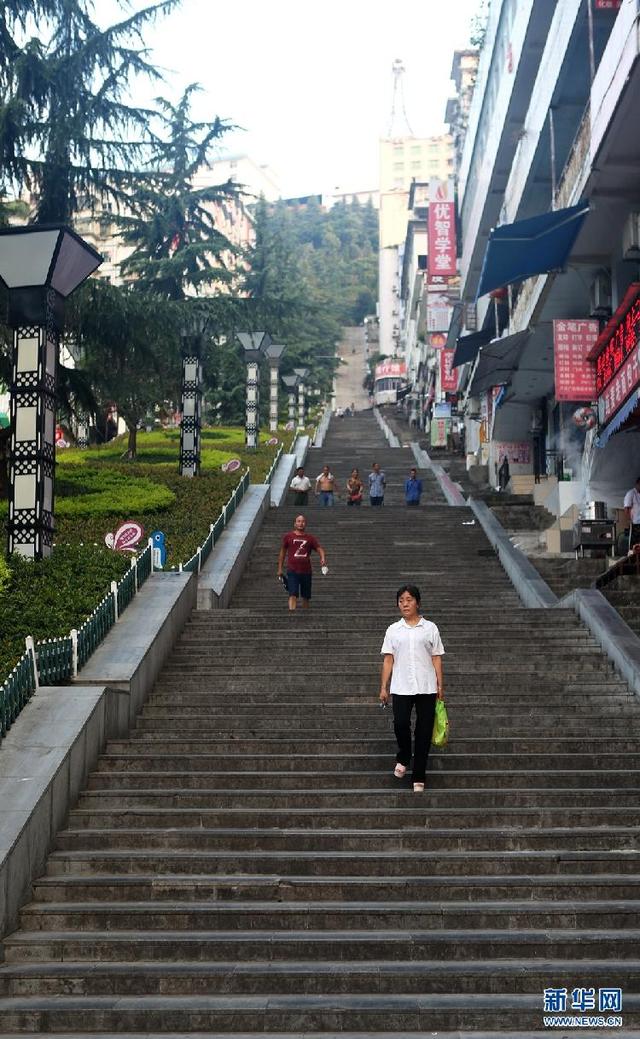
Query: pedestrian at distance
point(632, 509)
point(300, 485)
point(355, 489)
point(412, 674)
point(377, 485)
point(326, 486)
point(412, 489)
point(296, 548)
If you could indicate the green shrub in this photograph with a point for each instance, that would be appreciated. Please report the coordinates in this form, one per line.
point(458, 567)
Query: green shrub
point(100, 490)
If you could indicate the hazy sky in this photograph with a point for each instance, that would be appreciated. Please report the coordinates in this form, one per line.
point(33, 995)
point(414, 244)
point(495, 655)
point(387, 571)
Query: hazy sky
point(311, 83)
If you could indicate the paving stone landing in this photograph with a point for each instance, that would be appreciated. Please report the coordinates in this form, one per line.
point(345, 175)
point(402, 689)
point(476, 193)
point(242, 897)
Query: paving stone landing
point(245, 863)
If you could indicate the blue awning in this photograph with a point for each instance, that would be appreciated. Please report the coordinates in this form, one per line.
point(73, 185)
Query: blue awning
point(467, 347)
point(542, 243)
point(618, 419)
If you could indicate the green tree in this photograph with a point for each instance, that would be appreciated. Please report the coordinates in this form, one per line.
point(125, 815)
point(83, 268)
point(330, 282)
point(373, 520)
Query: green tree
point(66, 128)
point(129, 346)
point(172, 226)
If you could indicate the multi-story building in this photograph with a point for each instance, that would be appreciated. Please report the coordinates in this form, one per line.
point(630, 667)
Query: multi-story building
point(549, 192)
point(403, 161)
point(464, 70)
point(233, 219)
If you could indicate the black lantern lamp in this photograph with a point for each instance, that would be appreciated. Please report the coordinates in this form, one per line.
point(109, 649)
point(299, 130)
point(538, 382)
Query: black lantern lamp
point(40, 266)
point(193, 332)
point(254, 345)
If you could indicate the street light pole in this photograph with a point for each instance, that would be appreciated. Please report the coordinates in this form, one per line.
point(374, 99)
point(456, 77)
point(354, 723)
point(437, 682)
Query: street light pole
point(191, 406)
point(254, 345)
point(274, 352)
point(302, 374)
point(40, 265)
point(291, 383)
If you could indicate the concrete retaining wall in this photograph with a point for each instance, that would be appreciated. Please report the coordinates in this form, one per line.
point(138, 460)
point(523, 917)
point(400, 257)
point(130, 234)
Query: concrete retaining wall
point(223, 569)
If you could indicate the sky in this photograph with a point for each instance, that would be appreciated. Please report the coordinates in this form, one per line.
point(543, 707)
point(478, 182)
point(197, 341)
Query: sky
point(311, 84)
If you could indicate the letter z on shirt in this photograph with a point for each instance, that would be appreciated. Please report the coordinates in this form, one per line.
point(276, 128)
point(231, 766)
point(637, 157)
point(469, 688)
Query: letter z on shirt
point(298, 548)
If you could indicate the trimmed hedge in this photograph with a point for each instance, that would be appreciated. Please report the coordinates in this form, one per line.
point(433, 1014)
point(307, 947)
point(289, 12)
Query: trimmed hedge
point(46, 598)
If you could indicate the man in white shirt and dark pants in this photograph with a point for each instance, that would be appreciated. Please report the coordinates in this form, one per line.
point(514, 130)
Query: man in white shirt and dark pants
point(632, 509)
point(412, 654)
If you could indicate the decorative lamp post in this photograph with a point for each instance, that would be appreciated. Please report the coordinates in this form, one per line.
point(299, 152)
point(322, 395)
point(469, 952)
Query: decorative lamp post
point(40, 266)
point(291, 383)
point(191, 407)
point(302, 374)
point(254, 345)
point(274, 352)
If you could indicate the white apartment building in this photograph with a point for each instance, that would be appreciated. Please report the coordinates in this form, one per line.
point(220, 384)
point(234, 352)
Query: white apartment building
point(403, 160)
point(553, 141)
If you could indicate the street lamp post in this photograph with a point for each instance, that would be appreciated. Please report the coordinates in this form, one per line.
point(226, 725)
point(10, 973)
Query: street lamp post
point(302, 374)
point(254, 345)
point(40, 266)
point(291, 383)
point(191, 407)
point(274, 352)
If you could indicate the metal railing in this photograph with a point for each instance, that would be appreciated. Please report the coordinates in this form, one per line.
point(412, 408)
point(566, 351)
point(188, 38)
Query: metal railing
point(58, 660)
point(200, 556)
point(268, 478)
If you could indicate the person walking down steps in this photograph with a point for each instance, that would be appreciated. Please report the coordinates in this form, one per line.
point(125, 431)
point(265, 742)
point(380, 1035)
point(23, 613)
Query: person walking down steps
point(297, 547)
point(377, 484)
point(326, 487)
point(412, 654)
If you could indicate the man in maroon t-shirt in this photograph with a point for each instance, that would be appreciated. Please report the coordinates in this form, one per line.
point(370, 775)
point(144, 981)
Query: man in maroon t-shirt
point(297, 546)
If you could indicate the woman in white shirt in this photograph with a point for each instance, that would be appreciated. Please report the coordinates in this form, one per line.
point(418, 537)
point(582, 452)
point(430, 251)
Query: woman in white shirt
point(412, 654)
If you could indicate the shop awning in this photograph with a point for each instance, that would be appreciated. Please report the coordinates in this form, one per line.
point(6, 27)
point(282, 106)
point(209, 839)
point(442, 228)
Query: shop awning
point(455, 325)
point(467, 347)
point(618, 420)
point(520, 250)
point(497, 362)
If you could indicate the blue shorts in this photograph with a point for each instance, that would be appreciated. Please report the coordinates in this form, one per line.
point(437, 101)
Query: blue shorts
point(299, 584)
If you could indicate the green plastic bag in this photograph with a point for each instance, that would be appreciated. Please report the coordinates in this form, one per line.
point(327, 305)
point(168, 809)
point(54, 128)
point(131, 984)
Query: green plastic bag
point(440, 733)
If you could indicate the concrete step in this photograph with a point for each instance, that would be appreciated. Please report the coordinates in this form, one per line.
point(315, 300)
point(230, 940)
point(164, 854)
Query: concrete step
point(320, 977)
point(395, 1014)
point(238, 887)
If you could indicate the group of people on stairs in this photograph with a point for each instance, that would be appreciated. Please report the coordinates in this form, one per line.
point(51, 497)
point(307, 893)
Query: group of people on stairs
point(326, 487)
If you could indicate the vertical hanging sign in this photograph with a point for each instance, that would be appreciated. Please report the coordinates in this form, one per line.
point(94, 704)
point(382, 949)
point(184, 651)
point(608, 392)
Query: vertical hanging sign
point(448, 375)
point(441, 261)
point(575, 376)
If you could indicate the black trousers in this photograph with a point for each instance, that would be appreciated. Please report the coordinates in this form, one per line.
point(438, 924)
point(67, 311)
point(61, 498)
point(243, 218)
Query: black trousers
point(425, 706)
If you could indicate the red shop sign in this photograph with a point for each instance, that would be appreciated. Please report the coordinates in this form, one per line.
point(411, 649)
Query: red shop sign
point(448, 375)
point(575, 376)
point(618, 339)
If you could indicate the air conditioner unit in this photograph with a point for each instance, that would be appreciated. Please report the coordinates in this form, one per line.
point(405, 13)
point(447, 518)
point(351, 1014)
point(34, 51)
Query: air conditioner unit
point(600, 295)
point(631, 237)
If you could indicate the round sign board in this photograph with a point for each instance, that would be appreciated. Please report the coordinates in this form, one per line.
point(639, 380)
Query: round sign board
point(233, 465)
point(272, 442)
point(289, 426)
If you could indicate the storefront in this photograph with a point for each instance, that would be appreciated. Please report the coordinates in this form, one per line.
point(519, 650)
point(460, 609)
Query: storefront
point(613, 456)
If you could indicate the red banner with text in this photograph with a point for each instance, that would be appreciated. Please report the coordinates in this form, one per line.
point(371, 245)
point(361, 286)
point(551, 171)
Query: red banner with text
point(448, 375)
point(441, 260)
point(575, 376)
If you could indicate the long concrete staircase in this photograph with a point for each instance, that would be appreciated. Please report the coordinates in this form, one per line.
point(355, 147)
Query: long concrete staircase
point(246, 863)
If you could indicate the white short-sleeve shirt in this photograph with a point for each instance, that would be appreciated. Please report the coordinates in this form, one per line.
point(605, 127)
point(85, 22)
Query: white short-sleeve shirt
point(632, 501)
point(300, 483)
point(412, 648)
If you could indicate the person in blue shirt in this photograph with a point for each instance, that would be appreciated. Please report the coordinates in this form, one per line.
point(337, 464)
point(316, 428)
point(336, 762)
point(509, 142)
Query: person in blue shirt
point(412, 489)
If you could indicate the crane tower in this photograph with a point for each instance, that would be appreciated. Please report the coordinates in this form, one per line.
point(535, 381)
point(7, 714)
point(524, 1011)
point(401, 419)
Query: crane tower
point(399, 122)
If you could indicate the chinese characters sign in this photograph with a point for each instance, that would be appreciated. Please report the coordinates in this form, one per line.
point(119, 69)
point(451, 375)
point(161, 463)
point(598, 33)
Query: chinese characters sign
point(391, 369)
point(442, 229)
point(619, 339)
point(448, 375)
point(574, 374)
point(620, 387)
